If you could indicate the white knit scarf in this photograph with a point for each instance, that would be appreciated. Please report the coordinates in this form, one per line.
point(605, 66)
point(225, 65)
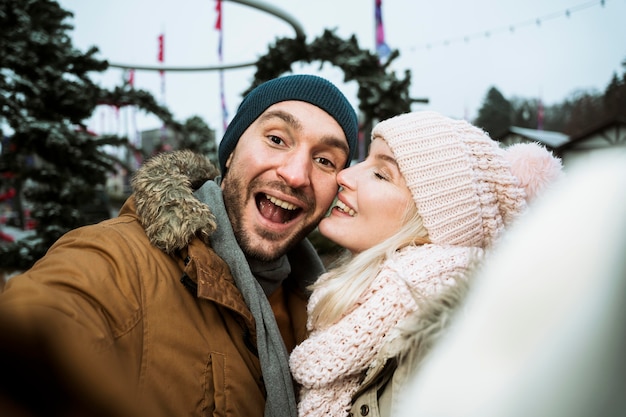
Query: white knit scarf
point(331, 362)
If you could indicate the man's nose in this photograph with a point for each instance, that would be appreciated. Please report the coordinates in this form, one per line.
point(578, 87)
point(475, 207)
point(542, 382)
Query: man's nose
point(296, 170)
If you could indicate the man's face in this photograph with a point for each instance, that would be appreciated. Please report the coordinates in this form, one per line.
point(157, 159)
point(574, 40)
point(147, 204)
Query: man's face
point(281, 177)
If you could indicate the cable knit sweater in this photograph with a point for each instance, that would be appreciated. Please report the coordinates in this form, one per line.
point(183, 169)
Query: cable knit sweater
point(331, 362)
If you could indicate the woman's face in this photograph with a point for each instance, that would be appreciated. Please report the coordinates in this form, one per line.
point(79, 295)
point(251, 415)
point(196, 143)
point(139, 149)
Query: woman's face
point(371, 204)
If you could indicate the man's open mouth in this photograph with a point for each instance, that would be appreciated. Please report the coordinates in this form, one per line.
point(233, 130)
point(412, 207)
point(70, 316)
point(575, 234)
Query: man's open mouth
point(275, 209)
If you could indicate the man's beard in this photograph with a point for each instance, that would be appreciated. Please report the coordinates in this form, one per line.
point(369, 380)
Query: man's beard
point(235, 195)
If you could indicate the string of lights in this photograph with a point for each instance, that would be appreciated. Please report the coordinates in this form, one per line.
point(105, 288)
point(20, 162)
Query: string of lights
point(512, 28)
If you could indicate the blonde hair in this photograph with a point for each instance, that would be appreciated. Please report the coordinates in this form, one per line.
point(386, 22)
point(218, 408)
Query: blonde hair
point(344, 284)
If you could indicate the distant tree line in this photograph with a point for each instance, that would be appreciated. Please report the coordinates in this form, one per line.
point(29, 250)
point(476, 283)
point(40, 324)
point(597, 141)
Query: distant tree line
point(579, 112)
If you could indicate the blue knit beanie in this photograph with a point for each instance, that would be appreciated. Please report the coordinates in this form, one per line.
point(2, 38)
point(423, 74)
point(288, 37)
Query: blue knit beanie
point(308, 88)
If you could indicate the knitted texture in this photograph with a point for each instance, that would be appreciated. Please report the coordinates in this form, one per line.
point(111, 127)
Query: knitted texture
point(308, 88)
point(462, 183)
point(331, 361)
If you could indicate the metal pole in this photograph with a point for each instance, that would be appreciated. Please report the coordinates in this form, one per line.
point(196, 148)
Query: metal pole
point(251, 3)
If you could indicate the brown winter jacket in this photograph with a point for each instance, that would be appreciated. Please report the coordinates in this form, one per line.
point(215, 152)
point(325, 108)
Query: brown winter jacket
point(171, 328)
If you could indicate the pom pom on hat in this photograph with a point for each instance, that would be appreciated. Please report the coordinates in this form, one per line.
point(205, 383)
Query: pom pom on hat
point(465, 186)
point(535, 168)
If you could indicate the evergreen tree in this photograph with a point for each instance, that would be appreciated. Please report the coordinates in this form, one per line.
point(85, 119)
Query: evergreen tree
point(495, 115)
point(381, 93)
point(524, 112)
point(46, 94)
point(556, 116)
point(615, 96)
point(585, 111)
point(198, 137)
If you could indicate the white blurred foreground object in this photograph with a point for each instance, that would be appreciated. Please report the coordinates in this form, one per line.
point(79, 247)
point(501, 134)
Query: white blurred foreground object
point(543, 330)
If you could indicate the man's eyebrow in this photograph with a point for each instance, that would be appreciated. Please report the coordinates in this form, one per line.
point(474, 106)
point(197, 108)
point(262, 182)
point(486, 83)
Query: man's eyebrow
point(284, 116)
point(336, 142)
point(288, 118)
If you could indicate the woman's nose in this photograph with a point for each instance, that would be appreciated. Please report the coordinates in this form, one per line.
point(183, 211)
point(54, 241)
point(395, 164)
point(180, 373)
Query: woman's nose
point(346, 177)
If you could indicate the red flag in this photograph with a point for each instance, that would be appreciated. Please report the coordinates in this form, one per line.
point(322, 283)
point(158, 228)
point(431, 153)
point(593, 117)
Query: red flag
point(218, 9)
point(161, 53)
point(161, 56)
point(218, 27)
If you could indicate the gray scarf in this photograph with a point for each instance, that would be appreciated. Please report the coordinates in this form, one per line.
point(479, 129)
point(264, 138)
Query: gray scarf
point(272, 352)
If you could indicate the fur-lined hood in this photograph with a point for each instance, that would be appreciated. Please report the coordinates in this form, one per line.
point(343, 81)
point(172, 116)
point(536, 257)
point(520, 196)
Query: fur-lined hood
point(163, 189)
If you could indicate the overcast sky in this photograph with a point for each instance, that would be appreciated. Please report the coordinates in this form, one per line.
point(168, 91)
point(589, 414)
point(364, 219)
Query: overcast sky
point(530, 48)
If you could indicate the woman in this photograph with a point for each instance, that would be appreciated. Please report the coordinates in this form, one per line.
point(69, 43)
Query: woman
point(432, 196)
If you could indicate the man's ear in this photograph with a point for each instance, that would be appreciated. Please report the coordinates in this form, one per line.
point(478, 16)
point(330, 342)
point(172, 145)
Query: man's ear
point(227, 164)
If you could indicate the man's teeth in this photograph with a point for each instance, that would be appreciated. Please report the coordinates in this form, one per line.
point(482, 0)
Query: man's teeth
point(341, 206)
point(281, 203)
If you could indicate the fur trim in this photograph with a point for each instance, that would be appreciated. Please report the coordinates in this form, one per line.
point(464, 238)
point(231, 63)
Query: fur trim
point(534, 166)
point(169, 212)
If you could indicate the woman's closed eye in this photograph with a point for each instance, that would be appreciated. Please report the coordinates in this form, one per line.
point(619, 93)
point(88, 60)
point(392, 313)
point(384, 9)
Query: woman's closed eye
point(381, 176)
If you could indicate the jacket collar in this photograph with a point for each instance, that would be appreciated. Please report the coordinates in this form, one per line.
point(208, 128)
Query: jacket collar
point(213, 279)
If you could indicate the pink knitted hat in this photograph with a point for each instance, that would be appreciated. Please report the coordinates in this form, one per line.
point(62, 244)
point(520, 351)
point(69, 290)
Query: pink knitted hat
point(466, 188)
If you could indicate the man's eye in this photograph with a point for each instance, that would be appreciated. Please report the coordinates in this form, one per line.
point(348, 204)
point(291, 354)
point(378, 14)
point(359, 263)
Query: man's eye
point(275, 139)
point(325, 162)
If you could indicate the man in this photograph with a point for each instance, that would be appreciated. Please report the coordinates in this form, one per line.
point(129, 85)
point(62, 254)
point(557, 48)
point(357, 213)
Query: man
point(194, 301)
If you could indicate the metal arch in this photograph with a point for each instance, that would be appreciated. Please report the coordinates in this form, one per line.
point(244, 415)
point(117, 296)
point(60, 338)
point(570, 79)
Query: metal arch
point(251, 3)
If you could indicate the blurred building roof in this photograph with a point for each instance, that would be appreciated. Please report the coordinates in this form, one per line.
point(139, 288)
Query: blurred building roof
point(549, 138)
